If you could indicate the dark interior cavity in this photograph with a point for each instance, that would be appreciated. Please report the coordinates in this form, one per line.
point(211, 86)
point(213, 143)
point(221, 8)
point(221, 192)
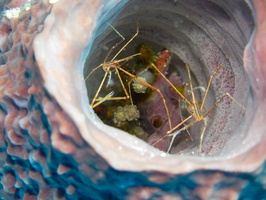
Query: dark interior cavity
point(203, 34)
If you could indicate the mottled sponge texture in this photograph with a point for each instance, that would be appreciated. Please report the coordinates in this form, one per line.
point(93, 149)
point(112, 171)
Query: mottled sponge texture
point(32, 122)
point(42, 153)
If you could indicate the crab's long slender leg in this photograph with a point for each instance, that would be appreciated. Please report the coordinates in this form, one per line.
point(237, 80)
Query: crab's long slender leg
point(166, 79)
point(219, 100)
point(101, 100)
point(208, 86)
point(121, 82)
point(170, 131)
point(202, 132)
point(99, 89)
point(93, 71)
point(115, 46)
point(181, 116)
point(153, 88)
point(195, 108)
point(127, 43)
